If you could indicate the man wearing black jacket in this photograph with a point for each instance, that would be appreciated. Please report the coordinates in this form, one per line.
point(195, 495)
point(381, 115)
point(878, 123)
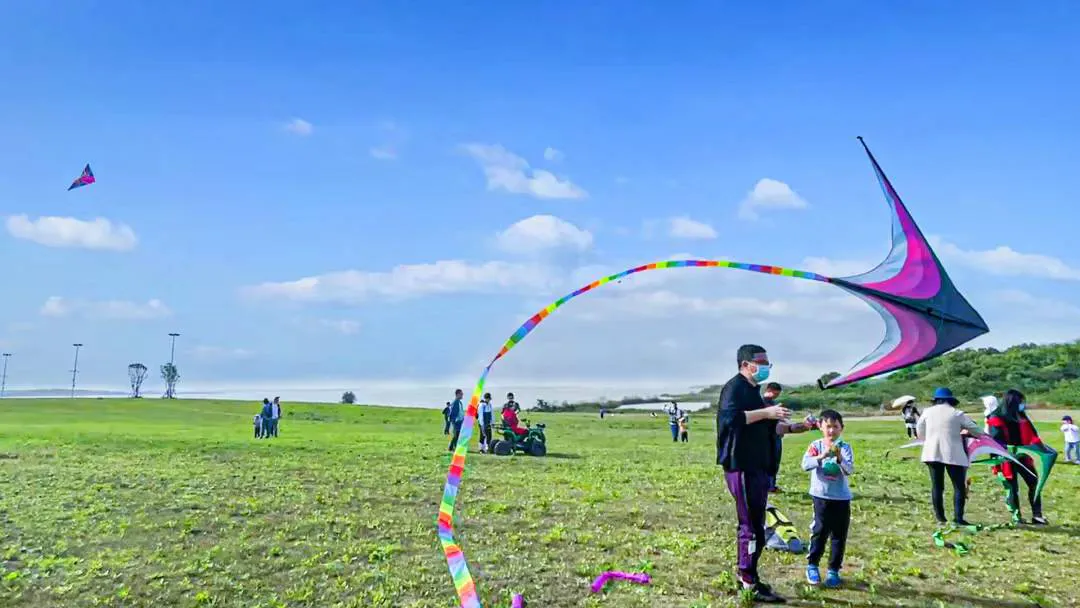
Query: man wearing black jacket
point(746, 434)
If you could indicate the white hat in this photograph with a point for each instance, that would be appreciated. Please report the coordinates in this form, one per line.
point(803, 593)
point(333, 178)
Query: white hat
point(900, 402)
point(990, 403)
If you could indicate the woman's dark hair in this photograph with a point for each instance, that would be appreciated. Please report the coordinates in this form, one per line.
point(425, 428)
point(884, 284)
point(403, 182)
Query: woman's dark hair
point(1013, 399)
point(487, 395)
point(774, 386)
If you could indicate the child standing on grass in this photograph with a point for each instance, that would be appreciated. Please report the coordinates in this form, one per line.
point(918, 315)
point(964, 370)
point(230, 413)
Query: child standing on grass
point(684, 422)
point(830, 461)
point(258, 426)
point(1072, 439)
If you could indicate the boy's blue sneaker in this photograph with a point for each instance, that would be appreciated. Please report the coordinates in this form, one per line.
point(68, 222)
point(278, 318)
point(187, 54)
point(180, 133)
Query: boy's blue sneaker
point(832, 579)
point(813, 575)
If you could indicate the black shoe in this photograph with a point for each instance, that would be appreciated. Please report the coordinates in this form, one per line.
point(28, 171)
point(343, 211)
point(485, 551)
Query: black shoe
point(1039, 520)
point(764, 594)
point(962, 522)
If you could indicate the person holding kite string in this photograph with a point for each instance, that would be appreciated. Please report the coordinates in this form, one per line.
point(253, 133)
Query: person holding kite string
point(942, 428)
point(746, 432)
point(1011, 427)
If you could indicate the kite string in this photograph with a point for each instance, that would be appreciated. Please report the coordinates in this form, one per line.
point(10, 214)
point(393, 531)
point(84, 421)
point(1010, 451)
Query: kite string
point(464, 583)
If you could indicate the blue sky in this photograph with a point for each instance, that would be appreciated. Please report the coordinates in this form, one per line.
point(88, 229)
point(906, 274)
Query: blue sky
point(247, 147)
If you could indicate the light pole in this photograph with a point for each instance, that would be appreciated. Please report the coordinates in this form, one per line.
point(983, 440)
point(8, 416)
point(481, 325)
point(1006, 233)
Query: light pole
point(3, 379)
point(172, 359)
point(75, 369)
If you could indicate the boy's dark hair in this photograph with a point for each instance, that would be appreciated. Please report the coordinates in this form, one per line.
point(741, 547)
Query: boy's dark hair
point(832, 415)
point(746, 353)
point(774, 386)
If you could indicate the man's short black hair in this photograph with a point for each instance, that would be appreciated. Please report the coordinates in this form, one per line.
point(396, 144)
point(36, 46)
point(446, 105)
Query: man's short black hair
point(832, 415)
point(747, 352)
point(774, 386)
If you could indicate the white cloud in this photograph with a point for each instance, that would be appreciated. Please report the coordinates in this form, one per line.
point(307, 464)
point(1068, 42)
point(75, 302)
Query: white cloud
point(507, 171)
point(553, 155)
point(408, 281)
point(835, 268)
point(686, 228)
point(543, 232)
point(634, 332)
point(1041, 308)
point(299, 126)
point(667, 303)
point(57, 306)
point(71, 232)
point(769, 194)
point(342, 326)
point(1005, 261)
point(220, 352)
point(383, 153)
point(21, 326)
point(830, 268)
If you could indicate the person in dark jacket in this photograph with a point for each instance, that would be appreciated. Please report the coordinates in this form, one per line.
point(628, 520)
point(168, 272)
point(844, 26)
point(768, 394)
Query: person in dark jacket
point(770, 396)
point(1010, 426)
point(267, 418)
point(457, 417)
point(446, 419)
point(746, 431)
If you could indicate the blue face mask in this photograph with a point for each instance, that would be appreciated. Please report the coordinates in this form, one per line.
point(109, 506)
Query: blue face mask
point(762, 373)
point(1023, 406)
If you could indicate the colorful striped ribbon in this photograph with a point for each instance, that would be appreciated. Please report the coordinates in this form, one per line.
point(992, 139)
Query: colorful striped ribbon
point(455, 559)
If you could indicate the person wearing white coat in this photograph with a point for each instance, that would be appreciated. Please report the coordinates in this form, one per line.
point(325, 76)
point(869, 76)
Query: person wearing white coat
point(942, 428)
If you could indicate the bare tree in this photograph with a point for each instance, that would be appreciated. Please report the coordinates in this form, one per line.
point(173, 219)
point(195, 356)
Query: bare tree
point(171, 376)
point(136, 373)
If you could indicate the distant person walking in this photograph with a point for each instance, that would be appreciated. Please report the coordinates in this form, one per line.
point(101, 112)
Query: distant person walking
point(457, 417)
point(487, 415)
point(275, 409)
point(266, 414)
point(1072, 439)
point(446, 419)
point(909, 413)
point(673, 420)
point(942, 428)
point(746, 431)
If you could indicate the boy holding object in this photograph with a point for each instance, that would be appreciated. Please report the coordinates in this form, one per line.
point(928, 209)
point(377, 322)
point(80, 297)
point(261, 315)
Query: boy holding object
point(830, 461)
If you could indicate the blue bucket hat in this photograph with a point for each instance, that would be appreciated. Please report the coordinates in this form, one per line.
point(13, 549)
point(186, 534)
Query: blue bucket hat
point(944, 394)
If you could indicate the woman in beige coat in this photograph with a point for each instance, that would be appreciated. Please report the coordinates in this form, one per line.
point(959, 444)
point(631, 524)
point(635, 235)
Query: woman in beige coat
point(942, 428)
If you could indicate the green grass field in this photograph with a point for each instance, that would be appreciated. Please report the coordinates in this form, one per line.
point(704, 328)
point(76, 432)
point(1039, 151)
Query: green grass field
point(151, 503)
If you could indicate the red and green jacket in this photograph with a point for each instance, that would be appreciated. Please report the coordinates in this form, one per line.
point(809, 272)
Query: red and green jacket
point(1010, 432)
